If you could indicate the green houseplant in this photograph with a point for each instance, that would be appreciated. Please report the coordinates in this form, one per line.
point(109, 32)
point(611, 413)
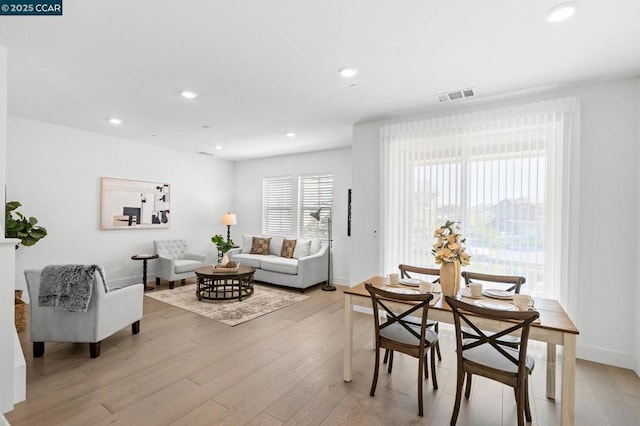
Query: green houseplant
point(221, 244)
point(18, 226)
point(223, 247)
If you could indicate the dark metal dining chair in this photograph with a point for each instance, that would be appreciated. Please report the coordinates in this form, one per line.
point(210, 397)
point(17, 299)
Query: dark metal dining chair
point(486, 356)
point(399, 334)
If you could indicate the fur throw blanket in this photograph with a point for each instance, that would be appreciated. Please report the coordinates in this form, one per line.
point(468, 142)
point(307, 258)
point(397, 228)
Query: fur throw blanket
point(68, 287)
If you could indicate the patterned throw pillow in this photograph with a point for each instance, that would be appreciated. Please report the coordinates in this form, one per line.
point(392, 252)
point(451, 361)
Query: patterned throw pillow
point(260, 245)
point(287, 248)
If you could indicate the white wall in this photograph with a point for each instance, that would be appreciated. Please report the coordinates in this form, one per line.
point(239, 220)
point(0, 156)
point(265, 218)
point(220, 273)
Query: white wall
point(55, 171)
point(7, 329)
point(607, 210)
point(637, 279)
point(248, 180)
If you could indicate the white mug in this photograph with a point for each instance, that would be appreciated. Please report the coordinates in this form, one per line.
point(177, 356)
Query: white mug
point(475, 289)
point(394, 278)
point(522, 301)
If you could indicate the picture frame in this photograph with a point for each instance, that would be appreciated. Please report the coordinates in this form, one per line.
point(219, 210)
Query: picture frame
point(134, 204)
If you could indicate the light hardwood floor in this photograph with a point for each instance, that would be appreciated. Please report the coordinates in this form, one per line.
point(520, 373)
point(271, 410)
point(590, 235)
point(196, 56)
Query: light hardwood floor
point(281, 368)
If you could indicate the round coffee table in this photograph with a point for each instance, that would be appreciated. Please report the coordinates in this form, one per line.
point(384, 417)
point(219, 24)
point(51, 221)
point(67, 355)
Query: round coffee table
point(218, 284)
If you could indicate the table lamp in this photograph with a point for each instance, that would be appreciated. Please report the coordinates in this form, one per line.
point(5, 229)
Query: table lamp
point(229, 219)
point(316, 215)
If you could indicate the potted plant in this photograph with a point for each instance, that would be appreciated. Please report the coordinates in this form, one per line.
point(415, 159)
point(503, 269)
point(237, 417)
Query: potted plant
point(18, 226)
point(223, 247)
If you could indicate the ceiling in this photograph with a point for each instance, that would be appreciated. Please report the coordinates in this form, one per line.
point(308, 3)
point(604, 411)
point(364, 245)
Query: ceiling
point(262, 68)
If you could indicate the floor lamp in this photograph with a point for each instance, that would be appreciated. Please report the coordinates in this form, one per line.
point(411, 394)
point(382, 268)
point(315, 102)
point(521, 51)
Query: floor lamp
point(316, 215)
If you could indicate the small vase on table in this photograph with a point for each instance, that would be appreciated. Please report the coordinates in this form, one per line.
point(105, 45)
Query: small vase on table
point(450, 278)
point(225, 259)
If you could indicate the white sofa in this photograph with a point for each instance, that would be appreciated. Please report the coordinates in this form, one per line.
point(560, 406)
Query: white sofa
point(308, 266)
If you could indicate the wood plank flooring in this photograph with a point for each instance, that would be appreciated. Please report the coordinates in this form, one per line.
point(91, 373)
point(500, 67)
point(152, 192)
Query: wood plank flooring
point(281, 368)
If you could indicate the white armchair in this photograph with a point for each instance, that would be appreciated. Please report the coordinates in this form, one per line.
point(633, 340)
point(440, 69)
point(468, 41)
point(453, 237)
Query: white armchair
point(107, 313)
point(175, 261)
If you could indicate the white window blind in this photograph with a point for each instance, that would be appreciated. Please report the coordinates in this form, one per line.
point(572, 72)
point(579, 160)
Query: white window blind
point(501, 173)
point(314, 191)
point(277, 205)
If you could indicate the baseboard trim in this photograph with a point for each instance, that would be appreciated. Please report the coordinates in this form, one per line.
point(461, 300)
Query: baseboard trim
point(607, 356)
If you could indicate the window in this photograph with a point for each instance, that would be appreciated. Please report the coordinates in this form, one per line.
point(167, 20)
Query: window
point(501, 173)
point(277, 205)
point(314, 191)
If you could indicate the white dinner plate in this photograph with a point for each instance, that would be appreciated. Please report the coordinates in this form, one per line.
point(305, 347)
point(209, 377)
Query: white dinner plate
point(400, 290)
point(410, 282)
point(498, 294)
point(491, 304)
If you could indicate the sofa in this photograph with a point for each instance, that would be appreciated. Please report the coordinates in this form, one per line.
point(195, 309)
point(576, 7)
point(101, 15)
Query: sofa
point(306, 267)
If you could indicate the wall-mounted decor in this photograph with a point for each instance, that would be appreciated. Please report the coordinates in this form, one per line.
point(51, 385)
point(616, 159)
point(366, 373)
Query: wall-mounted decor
point(132, 204)
point(349, 212)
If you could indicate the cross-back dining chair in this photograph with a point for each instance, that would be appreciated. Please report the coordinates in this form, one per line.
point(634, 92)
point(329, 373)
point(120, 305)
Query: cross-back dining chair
point(514, 282)
point(429, 274)
point(484, 354)
point(398, 333)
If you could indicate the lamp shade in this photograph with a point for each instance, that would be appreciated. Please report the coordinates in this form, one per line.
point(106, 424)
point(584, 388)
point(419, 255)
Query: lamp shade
point(229, 219)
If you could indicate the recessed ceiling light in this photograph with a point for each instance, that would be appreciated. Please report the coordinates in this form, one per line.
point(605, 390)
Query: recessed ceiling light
point(354, 86)
point(290, 135)
point(348, 72)
point(218, 147)
point(561, 11)
point(187, 94)
point(207, 126)
point(115, 121)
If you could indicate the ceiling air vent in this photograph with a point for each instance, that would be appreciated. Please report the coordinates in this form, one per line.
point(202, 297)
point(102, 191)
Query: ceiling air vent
point(457, 94)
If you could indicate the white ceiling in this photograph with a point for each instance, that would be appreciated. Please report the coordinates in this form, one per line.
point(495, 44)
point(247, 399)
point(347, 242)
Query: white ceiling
point(264, 67)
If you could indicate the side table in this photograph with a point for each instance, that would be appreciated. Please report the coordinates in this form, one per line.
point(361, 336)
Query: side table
point(144, 258)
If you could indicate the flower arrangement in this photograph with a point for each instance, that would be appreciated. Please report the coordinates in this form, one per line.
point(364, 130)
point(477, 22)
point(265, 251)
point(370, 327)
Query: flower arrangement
point(449, 245)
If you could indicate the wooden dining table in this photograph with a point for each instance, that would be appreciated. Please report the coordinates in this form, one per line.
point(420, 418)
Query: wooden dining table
point(554, 328)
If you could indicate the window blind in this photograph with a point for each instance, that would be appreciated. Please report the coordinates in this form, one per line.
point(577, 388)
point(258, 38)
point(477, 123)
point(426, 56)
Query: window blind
point(501, 173)
point(314, 191)
point(277, 205)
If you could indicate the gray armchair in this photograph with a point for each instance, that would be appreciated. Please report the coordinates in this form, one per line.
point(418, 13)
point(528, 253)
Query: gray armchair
point(175, 261)
point(107, 313)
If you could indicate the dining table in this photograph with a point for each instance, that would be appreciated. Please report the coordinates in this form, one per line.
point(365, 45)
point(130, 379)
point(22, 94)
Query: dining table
point(554, 328)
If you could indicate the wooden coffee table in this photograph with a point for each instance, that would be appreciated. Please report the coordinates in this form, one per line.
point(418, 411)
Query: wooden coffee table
point(218, 284)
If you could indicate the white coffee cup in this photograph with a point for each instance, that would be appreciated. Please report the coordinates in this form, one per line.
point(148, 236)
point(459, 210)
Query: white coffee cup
point(475, 289)
point(394, 278)
point(522, 301)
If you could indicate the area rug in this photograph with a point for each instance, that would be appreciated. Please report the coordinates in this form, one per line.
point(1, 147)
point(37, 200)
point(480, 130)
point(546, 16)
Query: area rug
point(231, 312)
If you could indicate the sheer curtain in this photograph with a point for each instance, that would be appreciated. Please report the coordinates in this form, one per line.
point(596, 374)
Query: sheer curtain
point(503, 173)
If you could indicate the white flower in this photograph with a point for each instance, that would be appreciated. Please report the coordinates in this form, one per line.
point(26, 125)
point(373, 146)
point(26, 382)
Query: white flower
point(449, 246)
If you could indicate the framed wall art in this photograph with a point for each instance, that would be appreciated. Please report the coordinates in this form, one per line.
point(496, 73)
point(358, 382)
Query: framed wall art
point(133, 204)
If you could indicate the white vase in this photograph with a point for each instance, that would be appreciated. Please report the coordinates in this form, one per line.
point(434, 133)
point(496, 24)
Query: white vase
point(225, 259)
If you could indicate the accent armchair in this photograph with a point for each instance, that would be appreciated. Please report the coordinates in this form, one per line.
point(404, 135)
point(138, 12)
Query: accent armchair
point(175, 261)
point(107, 313)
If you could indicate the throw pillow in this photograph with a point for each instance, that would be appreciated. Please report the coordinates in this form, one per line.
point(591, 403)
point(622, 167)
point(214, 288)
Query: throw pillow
point(302, 248)
point(260, 245)
point(288, 246)
point(275, 247)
